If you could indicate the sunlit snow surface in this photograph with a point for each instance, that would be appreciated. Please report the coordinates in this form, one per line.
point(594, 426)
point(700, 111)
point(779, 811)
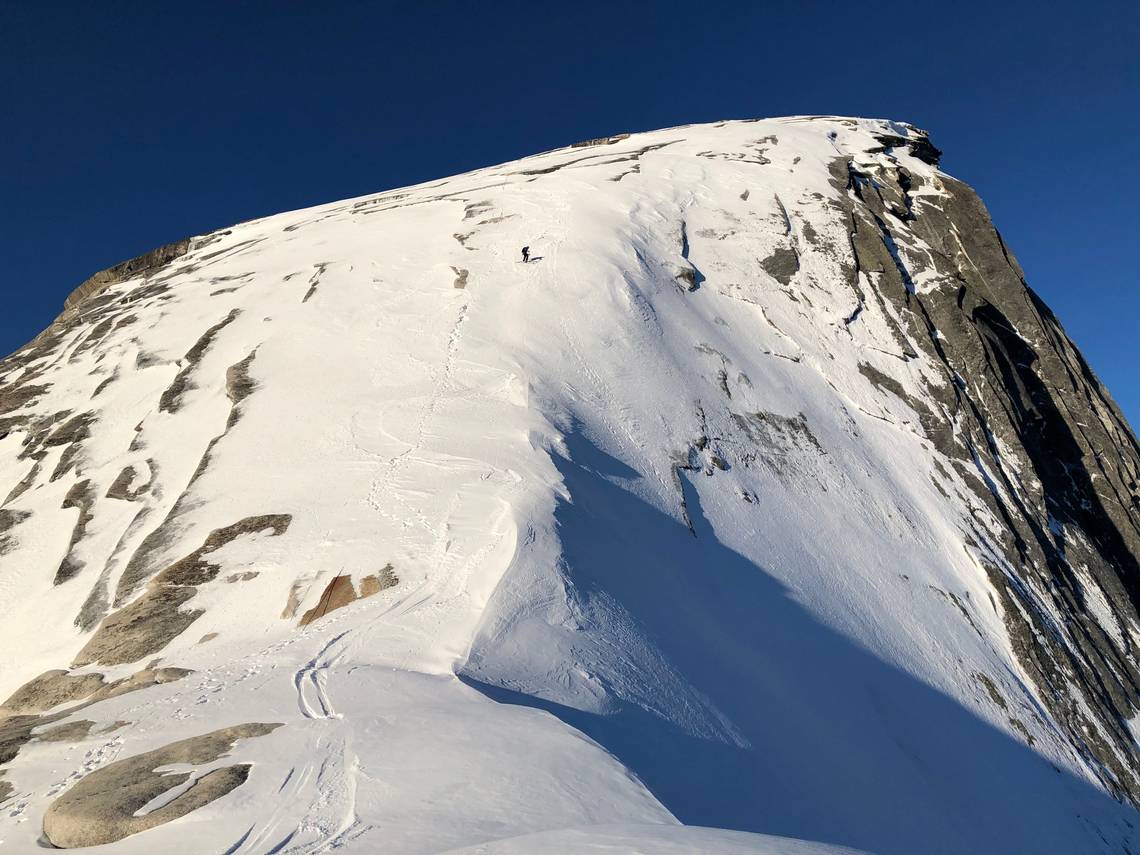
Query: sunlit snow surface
point(588, 645)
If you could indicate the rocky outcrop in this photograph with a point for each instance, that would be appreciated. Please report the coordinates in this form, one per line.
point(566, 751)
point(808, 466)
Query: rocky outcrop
point(72, 731)
point(143, 265)
point(116, 801)
point(171, 399)
point(51, 689)
point(1028, 424)
point(590, 143)
point(340, 592)
point(56, 695)
point(148, 624)
point(87, 311)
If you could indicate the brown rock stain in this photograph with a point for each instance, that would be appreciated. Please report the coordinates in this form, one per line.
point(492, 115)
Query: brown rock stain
point(339, 592)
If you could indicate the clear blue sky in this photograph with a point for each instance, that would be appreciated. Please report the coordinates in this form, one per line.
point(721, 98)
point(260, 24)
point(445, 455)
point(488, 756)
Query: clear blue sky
point(128, 125)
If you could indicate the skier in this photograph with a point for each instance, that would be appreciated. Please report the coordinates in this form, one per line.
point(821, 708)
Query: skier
point(526, 254)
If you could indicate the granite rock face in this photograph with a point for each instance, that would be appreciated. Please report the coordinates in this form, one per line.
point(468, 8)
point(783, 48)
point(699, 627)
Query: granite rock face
point(1040, 439)
point(146, 264)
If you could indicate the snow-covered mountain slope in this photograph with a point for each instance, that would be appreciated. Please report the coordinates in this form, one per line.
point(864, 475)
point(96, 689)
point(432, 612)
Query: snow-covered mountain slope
point(766, 498)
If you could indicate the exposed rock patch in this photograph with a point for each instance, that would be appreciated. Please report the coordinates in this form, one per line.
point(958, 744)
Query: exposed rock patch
point(122, 487)
point(49, 690)
point(314, 281)
point(894, 387)
point(25, 484)
point(140, 680)
point(109, 804)
point(782, 265)
point(140, 563)
point(239, 385)
point(71, 433)
point(148, 624)
point(16, 730)
point(82, 497)
point(340, 592)
point(477, 209)
point(30, 706)
point(773, 435)
point(75, 429)
point(103, 384)
point(378, 582)
point(1032, 434)
point(145, 264)
point(247, 576)
point(9, 519)
point(57, 688)
point(171, 399)
point(140, 629)
point(294, 601)
point(72, 731)
point(16, 396)
point(688, 274)
point(918, 145)
point(92, 338)
point(600, 141)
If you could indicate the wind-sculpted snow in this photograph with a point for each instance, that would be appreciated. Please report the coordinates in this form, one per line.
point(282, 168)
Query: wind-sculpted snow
point(766, 499)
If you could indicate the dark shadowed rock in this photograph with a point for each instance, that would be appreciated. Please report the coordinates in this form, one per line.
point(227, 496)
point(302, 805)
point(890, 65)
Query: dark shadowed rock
point(145, 264)
point(82, 497)
point(9, 519)
point(122, 487)
point(171, 399)
point(239, 384)
point(1032, 405)
point(782, 265)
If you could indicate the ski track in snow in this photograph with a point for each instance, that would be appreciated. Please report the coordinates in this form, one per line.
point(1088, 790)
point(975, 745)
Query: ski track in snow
point(312, 679)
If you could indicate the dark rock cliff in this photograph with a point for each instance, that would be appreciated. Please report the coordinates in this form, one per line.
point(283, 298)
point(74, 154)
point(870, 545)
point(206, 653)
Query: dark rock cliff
point(1033, 430)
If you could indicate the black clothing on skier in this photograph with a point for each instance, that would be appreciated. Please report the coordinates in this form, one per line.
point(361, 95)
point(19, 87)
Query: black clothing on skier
point(526, 254)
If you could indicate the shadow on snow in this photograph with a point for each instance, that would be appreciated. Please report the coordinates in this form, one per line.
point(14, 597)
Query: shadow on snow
point(842, 747)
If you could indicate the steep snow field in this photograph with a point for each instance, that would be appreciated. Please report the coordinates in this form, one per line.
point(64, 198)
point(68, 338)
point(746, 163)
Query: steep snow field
point(645, 545)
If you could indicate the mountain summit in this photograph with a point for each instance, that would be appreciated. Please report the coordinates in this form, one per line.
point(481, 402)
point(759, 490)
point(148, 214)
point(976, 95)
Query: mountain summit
point(765, 508)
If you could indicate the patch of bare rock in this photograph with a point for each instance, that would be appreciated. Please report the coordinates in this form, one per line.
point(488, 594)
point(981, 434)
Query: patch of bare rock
point(110, 803)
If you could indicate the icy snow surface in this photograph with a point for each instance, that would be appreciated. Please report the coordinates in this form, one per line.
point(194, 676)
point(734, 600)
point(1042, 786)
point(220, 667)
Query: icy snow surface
point(664, 554)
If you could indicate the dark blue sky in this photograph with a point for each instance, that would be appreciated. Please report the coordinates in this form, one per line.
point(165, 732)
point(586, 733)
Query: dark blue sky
point(128, 125)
